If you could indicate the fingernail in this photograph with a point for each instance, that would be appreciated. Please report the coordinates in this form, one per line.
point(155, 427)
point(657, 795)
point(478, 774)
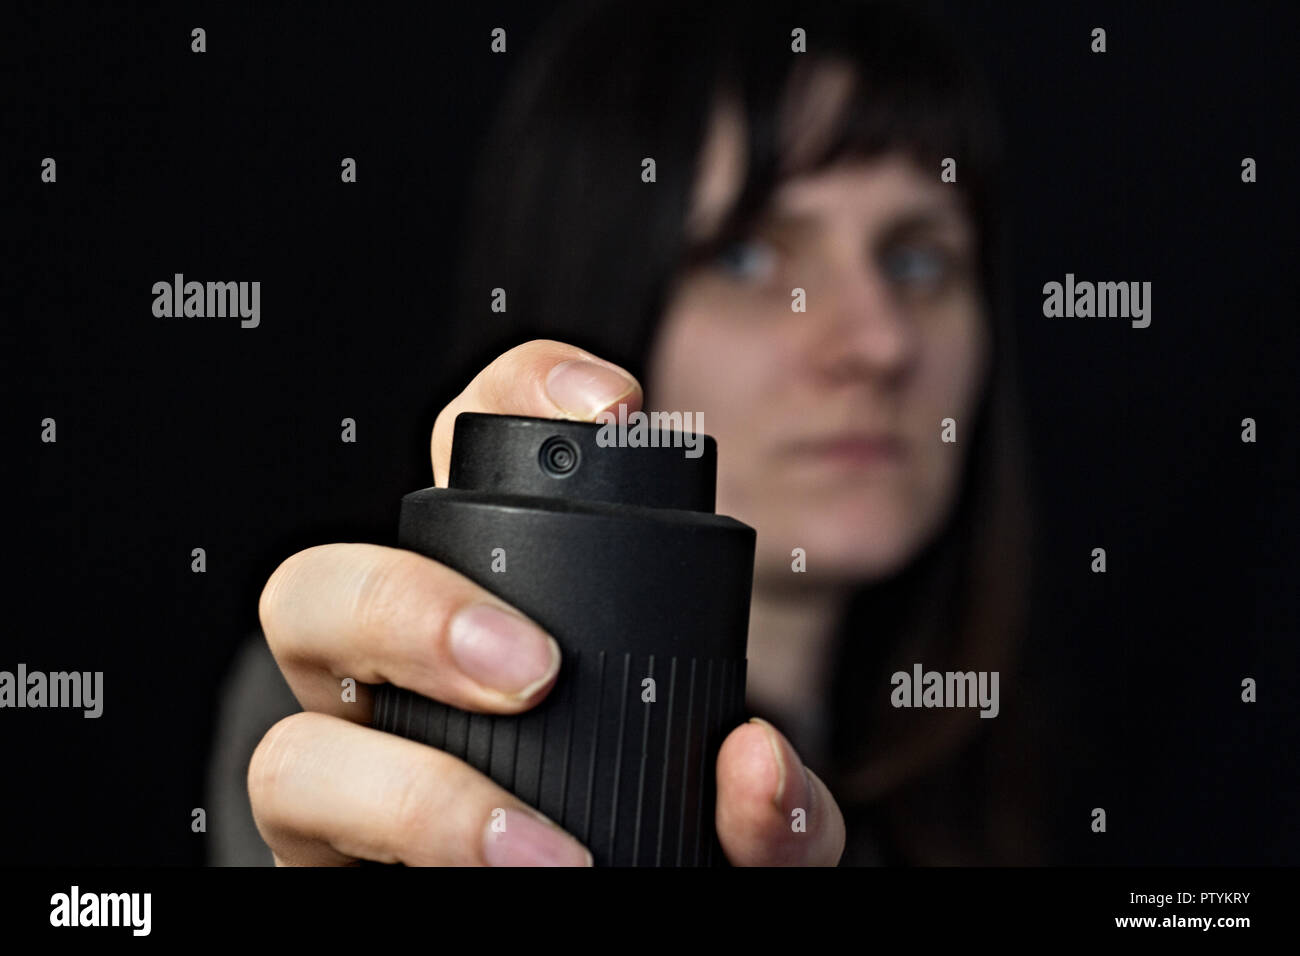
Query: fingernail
point(527, 840)
point(783, 774)
point(585, 388)
point(502, 651)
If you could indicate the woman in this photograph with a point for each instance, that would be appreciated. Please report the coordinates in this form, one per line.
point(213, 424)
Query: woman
point(869, 437)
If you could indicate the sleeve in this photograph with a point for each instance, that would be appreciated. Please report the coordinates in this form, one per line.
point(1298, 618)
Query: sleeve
point(253, 697)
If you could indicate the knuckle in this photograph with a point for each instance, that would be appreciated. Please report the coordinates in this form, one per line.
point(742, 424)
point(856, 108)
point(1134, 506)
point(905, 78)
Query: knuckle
point(392, 587)
point(547, 346)
point(416, 801)
point(442, 424)
point(269, 600)
point(526, 350)
point(272, 599)
point(537, 357)
point(274, 760)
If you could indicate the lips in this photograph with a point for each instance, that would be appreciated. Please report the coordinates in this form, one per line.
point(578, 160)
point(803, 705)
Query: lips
point(852, 448)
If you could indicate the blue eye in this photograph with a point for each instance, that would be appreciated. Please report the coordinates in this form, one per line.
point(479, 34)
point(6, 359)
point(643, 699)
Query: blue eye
point(747, 259)
point(916, 265)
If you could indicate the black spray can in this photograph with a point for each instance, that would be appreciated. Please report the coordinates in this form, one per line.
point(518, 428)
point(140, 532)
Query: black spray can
point(617, 553)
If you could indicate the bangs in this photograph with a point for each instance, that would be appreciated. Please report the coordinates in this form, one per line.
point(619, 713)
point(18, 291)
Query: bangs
point(882, 81)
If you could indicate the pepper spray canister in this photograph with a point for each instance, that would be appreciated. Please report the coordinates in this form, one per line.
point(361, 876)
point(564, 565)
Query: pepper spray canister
point(615, 550)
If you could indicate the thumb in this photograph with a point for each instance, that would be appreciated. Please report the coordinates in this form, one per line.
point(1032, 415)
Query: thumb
point(772, 810)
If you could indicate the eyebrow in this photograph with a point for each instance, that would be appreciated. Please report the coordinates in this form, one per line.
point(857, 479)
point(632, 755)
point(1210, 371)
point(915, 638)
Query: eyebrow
point(926, 219)
point(910, 221)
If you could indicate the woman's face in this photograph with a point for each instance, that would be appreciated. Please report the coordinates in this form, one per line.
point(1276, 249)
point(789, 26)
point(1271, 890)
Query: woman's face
point(829, 420)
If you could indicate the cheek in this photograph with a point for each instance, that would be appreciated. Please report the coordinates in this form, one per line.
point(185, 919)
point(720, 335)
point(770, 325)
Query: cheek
point(707, 361)
point(712, 360)
point(954, 366)
point(948, 386)
point(683, 351)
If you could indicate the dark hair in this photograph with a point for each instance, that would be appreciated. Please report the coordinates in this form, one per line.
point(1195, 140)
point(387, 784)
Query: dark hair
point(587, 253)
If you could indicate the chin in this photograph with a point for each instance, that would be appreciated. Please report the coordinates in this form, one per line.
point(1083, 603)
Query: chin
point(867, 561)
point(845, 548)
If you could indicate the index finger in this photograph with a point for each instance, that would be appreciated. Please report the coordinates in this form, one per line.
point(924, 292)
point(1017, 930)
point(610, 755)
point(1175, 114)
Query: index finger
point(542, 379)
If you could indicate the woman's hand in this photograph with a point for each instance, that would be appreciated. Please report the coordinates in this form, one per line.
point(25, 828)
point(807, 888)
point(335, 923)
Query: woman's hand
point(328, 789)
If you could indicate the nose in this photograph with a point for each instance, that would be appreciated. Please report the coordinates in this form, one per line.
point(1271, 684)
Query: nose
point(860, 328)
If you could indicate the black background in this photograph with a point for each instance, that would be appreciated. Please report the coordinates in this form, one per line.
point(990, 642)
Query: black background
point(183, 433)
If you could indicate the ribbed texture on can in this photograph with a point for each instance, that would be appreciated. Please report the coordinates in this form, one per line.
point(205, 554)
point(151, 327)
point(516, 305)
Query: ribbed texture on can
point(631, 778)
